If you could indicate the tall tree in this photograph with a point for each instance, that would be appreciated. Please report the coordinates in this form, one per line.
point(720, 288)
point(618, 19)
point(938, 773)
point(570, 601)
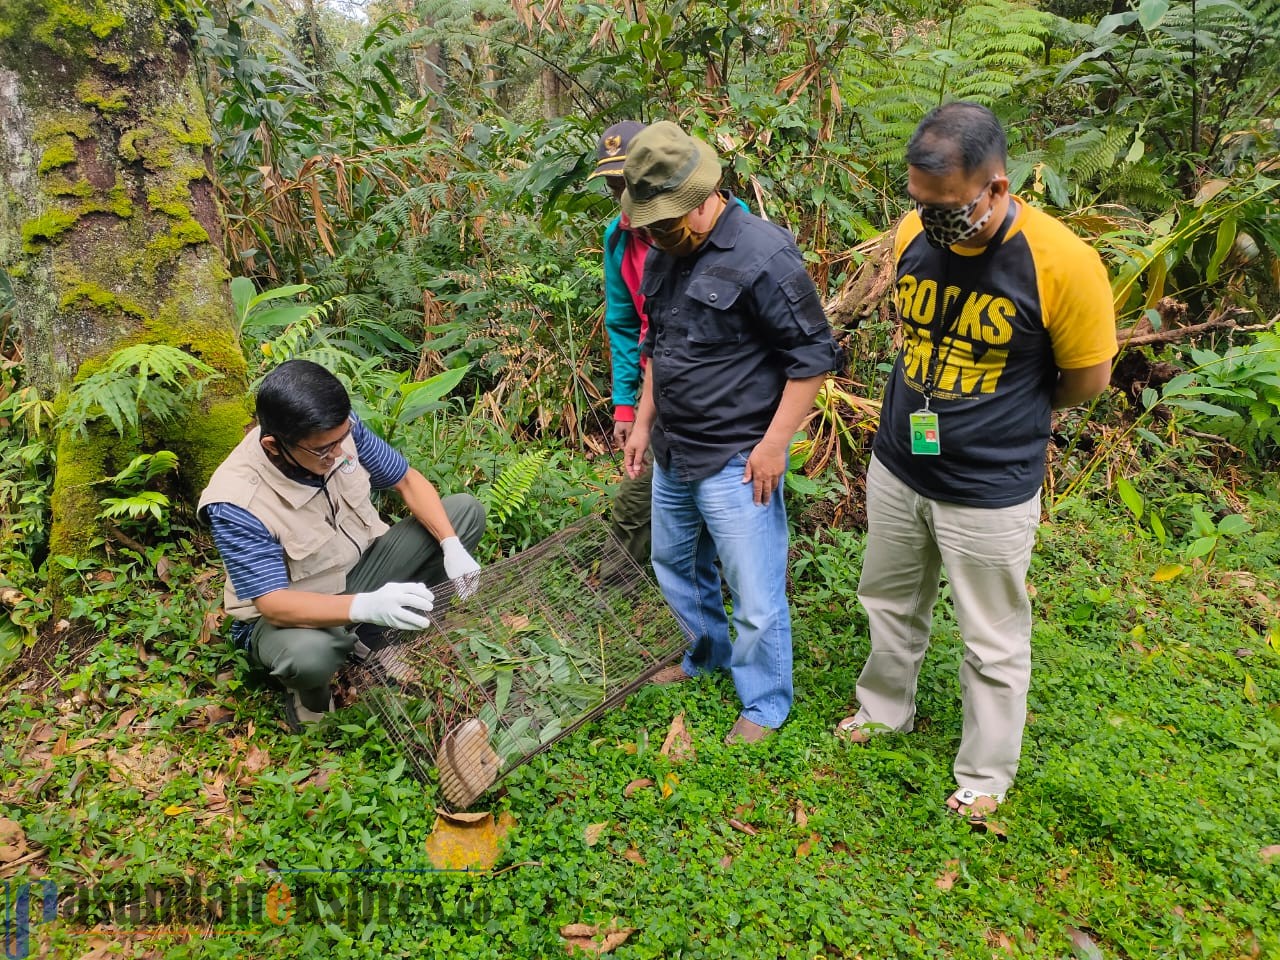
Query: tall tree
point(110, 230)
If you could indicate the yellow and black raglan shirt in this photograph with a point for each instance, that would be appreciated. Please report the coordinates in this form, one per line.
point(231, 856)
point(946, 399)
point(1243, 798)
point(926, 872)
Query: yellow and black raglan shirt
point(1038, 303)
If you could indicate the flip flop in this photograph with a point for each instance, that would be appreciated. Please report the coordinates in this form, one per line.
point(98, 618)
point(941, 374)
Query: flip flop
point(851, 731)
point(965, 797)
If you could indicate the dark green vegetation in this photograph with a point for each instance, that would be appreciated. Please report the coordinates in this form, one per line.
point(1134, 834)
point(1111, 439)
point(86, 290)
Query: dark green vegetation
point(403, 202)
point(1150, 785)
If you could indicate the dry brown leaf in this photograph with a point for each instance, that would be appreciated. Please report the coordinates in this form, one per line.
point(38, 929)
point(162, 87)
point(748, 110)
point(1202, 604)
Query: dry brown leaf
point(256, 760)
point(1270, 854)
point(164, 570)
point(593, 938)
point(215, 790)
point(13, 842)
point(801, 815)
point(453, 845)
point(993, 827)
point(806, 846)
point(679, 743)
point(320, 780)
point(741, 827)
point(1001, 941)
point(210, 624)
point(63, 748)
point(947, 879)
point(635, 786)
point(1083, 944)
point(126, 718)
point(726, 862)
point(215, 714)
point(42, 732)
point(99, 949)
point(594, 831)
point(635, 856)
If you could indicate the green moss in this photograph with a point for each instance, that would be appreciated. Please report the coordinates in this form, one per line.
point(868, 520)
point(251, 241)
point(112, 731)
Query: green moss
point(90, 294)
point(82, 460)
point(144, 143)
point(117, 202)
point(64, 123)
point(49, 226)
point(184, 126)
point(58, 152)
point(204, 440)
point(45, 229)
point(93, 93)
point(64, 26)
point(115, 59)
point(60, 186)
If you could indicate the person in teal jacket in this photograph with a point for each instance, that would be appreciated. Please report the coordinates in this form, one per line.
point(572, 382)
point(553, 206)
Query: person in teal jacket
point(625, 323)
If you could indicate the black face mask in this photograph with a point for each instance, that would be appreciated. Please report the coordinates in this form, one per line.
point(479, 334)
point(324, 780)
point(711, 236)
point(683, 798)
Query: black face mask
point(947, 226)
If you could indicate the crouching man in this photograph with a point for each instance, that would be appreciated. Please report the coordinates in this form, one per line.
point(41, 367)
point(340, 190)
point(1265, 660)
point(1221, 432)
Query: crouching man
point(313, 573)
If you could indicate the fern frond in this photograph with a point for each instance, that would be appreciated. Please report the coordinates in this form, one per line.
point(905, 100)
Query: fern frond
point(509, 492)
point(143, 380)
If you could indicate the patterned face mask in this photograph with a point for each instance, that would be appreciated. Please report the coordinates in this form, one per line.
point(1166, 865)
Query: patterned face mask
point(946, 226)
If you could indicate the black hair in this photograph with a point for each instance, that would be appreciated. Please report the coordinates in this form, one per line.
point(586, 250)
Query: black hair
point(955, 135)
point(299, 398)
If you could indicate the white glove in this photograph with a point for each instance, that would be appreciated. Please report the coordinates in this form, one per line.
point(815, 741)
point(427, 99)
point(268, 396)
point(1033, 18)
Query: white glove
point(399, 605)
point(460, 566)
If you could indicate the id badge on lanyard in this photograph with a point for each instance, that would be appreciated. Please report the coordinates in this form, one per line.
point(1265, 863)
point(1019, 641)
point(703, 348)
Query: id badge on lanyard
point(926, 441)
point(926, 435)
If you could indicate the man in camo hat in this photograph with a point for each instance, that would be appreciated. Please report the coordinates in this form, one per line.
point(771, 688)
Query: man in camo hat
point(738, 346)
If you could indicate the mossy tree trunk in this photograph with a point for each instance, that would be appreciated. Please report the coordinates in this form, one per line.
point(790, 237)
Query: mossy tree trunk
point(109, 228)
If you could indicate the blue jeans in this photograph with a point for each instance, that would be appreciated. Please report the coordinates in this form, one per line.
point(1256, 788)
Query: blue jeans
point(692, 524)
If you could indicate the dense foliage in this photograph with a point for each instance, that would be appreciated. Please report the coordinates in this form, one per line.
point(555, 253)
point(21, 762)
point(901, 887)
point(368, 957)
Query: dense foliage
point(405, 203)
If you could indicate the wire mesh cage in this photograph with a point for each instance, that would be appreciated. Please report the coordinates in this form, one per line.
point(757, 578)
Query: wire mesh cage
point(532, 648)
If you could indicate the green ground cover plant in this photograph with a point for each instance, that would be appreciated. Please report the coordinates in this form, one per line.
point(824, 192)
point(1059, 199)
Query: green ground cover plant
point(1142, 823)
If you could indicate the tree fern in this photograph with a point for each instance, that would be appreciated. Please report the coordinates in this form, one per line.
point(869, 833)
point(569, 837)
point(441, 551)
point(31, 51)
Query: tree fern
point(510, 490)
point(985, 51)
point(143, 380)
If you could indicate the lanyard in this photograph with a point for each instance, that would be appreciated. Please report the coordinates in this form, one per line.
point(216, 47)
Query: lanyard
point(947, 316)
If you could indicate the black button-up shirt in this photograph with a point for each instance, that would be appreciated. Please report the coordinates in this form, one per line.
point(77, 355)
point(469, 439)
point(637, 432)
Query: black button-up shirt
point(729, 325)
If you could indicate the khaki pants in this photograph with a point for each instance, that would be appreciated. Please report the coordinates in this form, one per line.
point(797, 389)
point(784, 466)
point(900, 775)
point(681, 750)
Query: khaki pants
point(985, 553)
point(304, 658)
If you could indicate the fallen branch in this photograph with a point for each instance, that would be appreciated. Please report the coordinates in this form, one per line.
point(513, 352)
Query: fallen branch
point(1128, 338)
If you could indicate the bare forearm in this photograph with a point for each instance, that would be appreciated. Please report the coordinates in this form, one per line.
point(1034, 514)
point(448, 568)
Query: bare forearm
point(1081, 385)
point(797, 401)
point(301, 608)
point(424, 503)
point(646, 412)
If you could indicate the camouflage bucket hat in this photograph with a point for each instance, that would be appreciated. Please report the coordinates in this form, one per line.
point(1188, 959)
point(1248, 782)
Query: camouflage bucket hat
point(668, 173)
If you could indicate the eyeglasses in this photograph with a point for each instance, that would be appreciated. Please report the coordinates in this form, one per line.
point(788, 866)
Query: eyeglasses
point(326, 452)
point(663, 231)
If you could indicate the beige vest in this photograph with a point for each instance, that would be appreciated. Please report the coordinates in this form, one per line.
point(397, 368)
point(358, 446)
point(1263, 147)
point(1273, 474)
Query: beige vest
point(322, 536)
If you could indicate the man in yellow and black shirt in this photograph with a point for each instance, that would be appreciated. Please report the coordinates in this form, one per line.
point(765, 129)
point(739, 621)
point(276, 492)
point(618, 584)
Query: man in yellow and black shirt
point(1006, 314)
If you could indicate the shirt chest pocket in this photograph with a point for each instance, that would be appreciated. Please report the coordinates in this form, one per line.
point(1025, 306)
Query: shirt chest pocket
point(715, 314)
point(310, 551)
